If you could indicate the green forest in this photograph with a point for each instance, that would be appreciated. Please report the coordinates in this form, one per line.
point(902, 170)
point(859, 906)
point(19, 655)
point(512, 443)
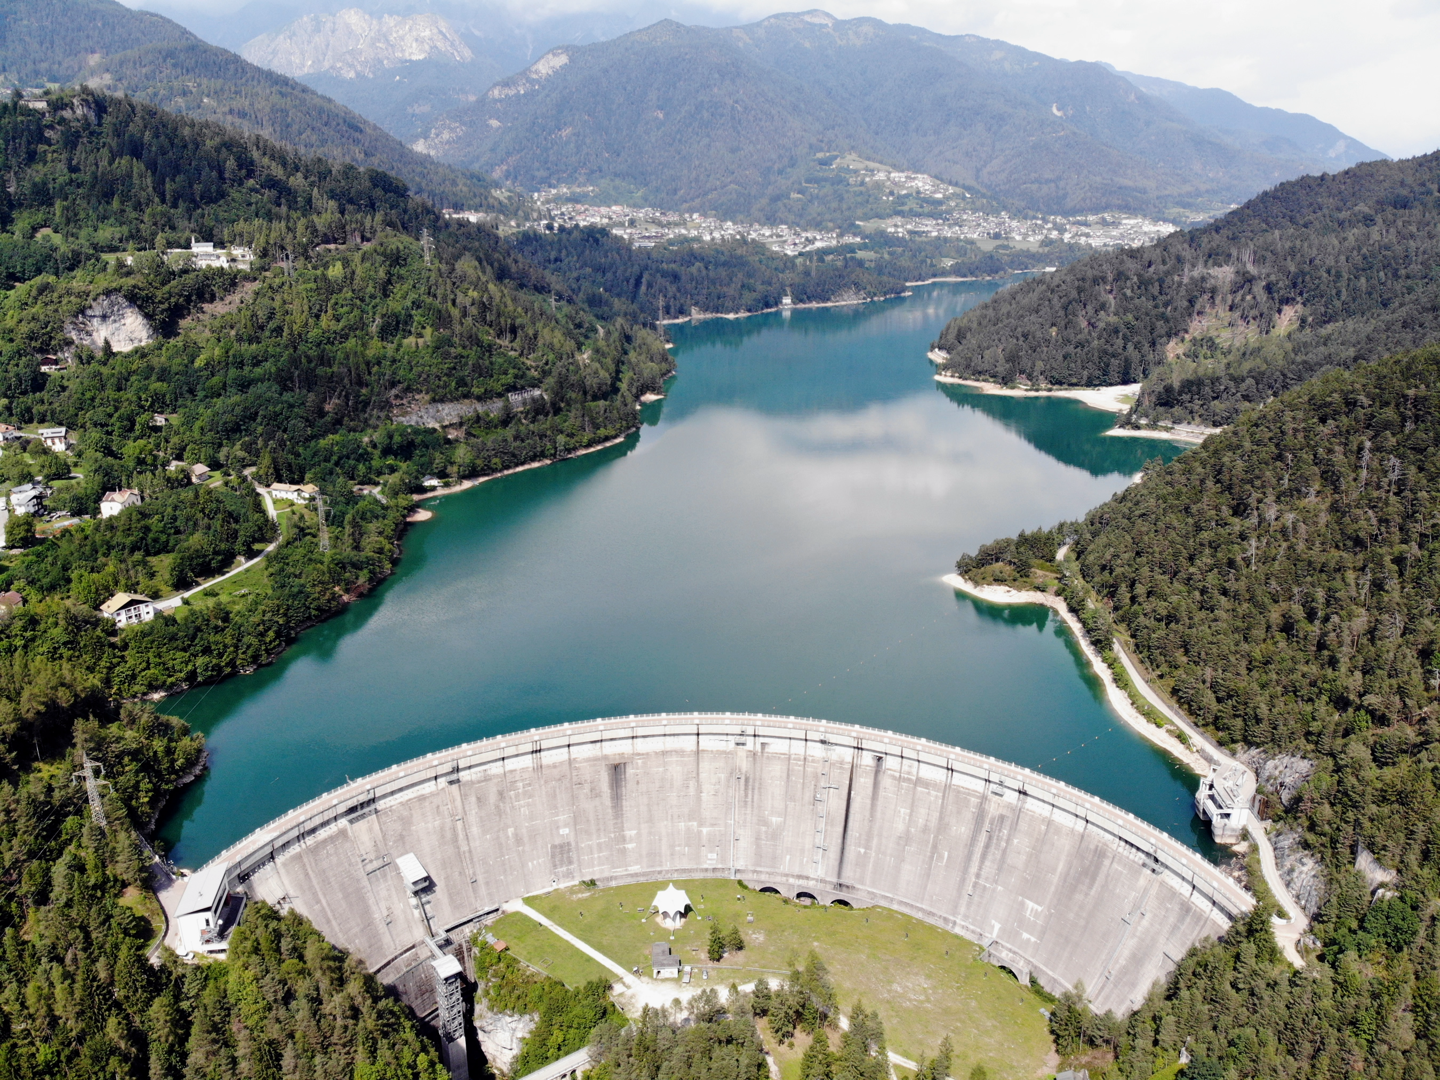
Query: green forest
point(616, 280)
point(1318, 273)
point(149, 57)
point(362, 301)
point(1282, 583)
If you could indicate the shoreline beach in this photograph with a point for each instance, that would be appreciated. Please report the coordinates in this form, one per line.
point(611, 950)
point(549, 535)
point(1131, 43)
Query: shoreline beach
point(466, 485)
point(1118, 698)
point(1105, 398)
point(1288, 931)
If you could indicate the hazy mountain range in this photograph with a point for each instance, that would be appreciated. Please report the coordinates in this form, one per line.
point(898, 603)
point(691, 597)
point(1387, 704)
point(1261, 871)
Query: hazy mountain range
point(732, 119)
point(740, 120)
point(112, 47)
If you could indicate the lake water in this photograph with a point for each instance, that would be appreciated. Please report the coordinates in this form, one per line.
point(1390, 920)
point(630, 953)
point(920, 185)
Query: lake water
point(772, 540)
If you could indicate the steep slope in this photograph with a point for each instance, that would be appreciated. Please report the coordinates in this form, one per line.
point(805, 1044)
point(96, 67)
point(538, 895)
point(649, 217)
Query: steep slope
point(1320, 272)
point(732, 119)
point(1318, 146)
point(1281, 582)
point(106, 45)
point(361, 300)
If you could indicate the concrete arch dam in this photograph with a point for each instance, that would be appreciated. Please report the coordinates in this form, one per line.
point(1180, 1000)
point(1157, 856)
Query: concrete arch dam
point(1053, 882)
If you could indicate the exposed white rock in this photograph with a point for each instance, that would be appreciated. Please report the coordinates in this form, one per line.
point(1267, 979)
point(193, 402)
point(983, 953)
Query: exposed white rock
point(1280, 774)
point(355, 44)
point(1375, 875)
point(500, 1035)
point(1299, 869)
point(111, 318)
point(531, 77)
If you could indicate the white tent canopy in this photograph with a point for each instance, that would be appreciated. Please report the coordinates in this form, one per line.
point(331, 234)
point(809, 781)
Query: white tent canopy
point(671, 903)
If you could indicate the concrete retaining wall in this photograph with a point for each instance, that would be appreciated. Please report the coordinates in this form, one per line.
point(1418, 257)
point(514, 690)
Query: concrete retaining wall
point(1053, 881)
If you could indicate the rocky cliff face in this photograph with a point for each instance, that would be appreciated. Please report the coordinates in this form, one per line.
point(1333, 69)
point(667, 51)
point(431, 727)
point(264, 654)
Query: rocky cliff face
point(354, 44)
point(500, 1035)
point(114, 319)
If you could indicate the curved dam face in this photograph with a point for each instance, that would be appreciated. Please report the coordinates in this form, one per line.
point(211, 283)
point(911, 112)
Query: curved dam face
point(1051, 881)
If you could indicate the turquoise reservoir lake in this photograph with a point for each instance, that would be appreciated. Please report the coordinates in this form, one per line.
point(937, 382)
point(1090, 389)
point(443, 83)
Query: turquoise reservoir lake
point(771, 540)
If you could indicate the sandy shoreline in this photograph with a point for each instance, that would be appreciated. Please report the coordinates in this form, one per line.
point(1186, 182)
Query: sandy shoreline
point(1119, 700)
point(1105, 398)
point(466, 485)
point(1184, 433)
point(1287, 931)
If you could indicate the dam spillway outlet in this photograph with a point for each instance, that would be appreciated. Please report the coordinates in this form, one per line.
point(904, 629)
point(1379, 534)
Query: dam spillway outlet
point(1051, 881)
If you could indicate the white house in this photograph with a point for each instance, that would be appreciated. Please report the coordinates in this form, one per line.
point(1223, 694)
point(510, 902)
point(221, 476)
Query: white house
point(300, 493)
point(672, 904)
point(114, 501)
point(127, 609)
point(56, 438)
point(28, 498)
point(207, 257)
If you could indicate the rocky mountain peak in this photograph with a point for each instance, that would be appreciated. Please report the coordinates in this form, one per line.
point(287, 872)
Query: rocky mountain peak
point(355, 44)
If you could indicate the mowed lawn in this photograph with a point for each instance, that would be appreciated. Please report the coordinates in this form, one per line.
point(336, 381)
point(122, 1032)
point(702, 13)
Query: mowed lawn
point(547, 951)
point(926, 982)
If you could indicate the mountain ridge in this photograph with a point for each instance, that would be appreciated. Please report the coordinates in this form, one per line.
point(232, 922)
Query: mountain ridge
point(354, 44)
point(692, 118)
point(107, 45)
point(1316, 273)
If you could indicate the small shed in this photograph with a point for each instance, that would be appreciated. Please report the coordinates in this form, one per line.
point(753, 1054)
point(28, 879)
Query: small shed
point(414, 874)
point(663, 963)
point(672, 903)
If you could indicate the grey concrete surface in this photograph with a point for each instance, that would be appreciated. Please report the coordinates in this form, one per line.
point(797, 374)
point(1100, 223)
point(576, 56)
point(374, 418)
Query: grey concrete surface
point(1052, 881)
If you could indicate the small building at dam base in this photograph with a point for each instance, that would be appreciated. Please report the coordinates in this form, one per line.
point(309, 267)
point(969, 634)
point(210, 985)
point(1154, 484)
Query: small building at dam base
point(1053, 883)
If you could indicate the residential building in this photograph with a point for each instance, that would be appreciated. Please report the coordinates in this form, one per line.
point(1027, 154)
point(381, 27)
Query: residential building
point(127, 609)
point(56, 438)
point(300, 493)
point(199, 473)
point(114, 501)
point(208, 257)
point(28, 498)
point(159, 420)
point(9, 601)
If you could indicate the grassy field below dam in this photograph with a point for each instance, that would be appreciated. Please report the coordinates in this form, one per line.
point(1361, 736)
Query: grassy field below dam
point(926, 982)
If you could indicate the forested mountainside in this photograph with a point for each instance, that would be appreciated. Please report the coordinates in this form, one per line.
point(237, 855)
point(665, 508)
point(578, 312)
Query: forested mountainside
point(1282, 583)
point(1319, 146)
point(1320, 272)
point(614, 279)
point(731, 120)
point(361, 301)
point(107, 45)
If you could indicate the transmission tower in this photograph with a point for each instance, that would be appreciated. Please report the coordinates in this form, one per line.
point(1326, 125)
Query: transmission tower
point(426, 244)
point(324, 528)
point(92, 787)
